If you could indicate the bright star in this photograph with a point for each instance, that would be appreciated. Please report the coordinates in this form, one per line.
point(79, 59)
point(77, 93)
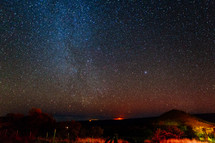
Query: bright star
point(145, 72)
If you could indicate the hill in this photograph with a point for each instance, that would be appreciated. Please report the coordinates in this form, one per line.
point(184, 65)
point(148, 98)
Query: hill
point(181, 117)
point(180, 123)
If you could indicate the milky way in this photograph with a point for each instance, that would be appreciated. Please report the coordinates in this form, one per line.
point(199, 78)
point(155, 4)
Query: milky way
point(107, 58)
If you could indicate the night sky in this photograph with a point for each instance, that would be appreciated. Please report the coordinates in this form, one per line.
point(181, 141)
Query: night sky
point(107, 58)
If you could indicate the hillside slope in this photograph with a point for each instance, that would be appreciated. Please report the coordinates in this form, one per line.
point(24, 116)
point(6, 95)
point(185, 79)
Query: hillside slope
point(181, 117)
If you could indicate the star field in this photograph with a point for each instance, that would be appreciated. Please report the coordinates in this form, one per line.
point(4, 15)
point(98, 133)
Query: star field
point(107, 58)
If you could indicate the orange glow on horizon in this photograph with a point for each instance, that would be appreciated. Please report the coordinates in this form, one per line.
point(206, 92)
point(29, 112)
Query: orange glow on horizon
point(119, 118)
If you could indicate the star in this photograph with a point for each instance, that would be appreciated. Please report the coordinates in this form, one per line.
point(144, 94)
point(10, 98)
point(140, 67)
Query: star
point(145, 72)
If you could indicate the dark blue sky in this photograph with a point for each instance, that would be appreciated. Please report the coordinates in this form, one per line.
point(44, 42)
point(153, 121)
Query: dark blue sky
point(94, 58)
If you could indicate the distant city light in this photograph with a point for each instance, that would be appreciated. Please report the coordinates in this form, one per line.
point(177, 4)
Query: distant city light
point(90, 120)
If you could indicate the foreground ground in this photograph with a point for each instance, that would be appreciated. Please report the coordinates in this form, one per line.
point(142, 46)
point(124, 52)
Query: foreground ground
point(173, 126)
